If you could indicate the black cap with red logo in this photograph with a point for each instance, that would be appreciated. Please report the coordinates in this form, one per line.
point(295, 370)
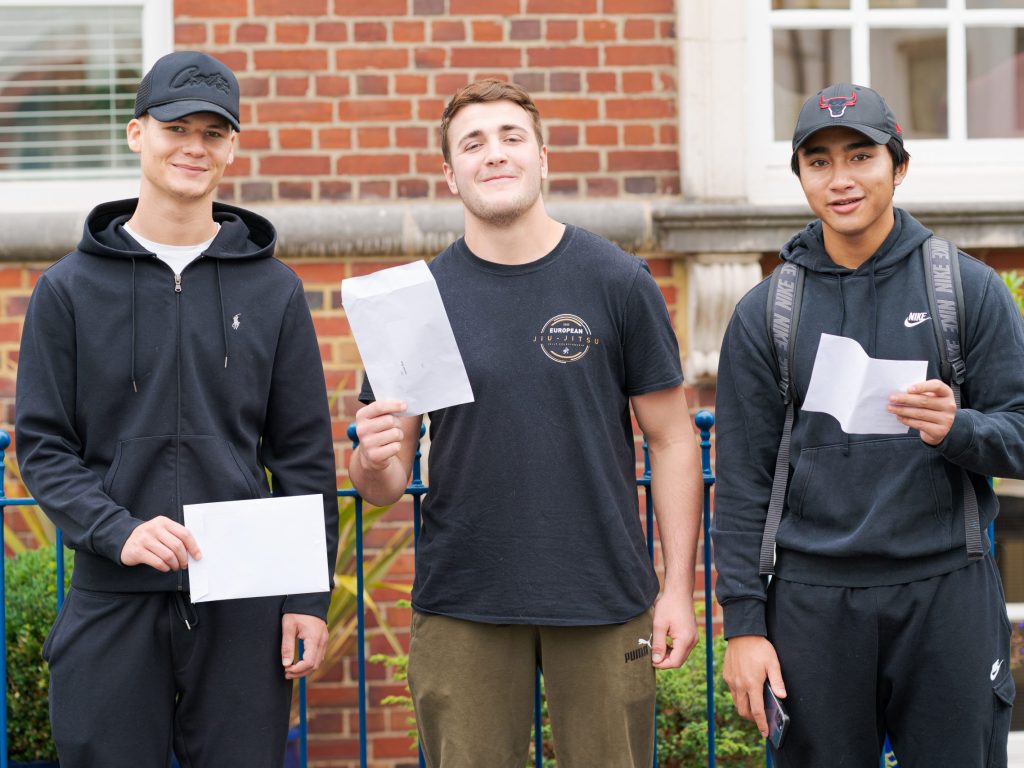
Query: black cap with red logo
point(850, 106)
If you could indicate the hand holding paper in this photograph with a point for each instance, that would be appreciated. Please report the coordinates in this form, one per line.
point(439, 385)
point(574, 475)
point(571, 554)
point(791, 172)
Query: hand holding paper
point(855, 388)
point(404, 338)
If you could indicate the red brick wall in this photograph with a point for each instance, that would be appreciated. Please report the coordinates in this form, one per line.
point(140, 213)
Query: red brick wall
point(342, 98)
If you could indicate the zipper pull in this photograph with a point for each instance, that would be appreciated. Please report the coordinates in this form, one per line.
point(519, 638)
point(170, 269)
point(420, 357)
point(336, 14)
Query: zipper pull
point(177, 283)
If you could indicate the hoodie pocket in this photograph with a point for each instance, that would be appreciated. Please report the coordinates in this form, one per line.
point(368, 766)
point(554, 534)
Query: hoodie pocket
point(148, 473)
point(1003, 692)
point(889, 497)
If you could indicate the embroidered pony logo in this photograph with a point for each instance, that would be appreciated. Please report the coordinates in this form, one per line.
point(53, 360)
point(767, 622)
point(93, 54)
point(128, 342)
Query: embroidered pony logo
point(236, 321)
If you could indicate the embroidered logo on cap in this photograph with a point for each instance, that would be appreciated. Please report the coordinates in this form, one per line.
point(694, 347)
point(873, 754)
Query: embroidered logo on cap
point(839, 103)
point(193, 76)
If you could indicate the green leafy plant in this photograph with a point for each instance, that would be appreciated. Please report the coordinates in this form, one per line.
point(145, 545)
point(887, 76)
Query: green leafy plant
point(398, 664)
point(1015, 282)
point(682, 717)
point(31, 603)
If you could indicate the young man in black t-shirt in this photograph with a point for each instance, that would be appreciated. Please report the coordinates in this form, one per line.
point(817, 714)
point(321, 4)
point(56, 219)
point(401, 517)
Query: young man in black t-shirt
point(532, 552)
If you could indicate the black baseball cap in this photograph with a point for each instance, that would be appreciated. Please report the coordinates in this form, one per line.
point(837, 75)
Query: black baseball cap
point(851, 106)
point(185, 82)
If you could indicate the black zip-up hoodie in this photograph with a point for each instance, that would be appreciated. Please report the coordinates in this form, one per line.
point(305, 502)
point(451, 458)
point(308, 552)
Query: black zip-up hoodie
point(140, 391)
point(861, 510)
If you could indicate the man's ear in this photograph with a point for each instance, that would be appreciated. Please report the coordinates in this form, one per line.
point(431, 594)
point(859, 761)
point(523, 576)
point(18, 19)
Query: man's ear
point(134, 131)
point(544, 161)
point(449, 176)
point(900, 173)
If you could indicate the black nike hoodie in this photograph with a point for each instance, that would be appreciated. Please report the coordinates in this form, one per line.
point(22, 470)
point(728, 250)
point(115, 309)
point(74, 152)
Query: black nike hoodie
point(140, 391)
point(861, 510)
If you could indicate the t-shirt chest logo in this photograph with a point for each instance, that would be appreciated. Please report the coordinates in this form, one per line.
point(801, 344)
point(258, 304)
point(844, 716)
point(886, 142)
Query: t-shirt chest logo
point(565, 339)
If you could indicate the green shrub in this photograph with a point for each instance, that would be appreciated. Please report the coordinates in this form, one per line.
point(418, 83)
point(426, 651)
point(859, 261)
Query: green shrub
point(682, 717)
point(31, 603)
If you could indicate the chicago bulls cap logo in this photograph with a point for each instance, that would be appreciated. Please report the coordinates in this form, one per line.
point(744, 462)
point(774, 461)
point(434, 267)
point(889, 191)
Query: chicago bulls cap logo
point(836, 105)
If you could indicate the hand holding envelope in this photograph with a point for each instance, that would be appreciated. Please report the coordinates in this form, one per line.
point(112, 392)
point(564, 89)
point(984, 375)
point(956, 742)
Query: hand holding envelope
point(404, 338)
point(258, 547)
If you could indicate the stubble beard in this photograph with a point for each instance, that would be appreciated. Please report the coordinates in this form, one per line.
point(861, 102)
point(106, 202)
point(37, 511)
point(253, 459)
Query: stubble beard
point(505, 215)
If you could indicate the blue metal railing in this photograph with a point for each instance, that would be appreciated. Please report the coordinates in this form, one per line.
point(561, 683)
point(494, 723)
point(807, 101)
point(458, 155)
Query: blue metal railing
point(416, 491)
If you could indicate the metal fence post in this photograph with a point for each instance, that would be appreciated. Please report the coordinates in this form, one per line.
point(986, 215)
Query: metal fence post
point(5, 442)
point(705, 420)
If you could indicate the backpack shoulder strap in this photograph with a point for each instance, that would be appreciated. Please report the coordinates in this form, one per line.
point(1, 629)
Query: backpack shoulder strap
point(945, 304)
point(785, 294)
point(946, 307)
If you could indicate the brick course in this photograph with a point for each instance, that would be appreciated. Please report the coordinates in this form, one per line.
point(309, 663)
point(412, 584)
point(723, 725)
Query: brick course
point(392, 63)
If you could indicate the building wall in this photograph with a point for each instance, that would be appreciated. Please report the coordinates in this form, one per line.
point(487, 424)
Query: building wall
point(342, 98)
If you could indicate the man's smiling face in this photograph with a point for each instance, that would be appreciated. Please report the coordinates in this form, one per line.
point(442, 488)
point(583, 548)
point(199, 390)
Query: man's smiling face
point(497, 164)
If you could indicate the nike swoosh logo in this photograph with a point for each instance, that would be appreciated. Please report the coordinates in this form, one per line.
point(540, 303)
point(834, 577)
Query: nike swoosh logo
point(911, 323)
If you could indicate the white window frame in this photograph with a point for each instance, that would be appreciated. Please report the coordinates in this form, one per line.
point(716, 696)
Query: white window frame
point(80, 195)
point(951, 170)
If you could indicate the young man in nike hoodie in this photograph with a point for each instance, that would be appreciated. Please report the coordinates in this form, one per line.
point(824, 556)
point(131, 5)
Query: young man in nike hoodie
point(876, 621)
point(171, 360)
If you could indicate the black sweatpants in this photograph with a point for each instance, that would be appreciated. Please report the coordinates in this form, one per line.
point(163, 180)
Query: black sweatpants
point(926, 662)
point(129, 681)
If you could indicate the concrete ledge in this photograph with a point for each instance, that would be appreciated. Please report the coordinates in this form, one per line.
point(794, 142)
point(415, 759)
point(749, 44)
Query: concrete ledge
point(724, 228)
point(423, 229)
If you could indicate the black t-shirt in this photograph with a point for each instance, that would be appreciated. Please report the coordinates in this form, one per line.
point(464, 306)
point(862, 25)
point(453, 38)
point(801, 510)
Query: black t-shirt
point(532, 514)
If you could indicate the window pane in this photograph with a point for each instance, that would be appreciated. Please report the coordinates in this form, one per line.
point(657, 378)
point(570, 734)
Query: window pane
point(908, 67)
point(806, 60)
point(908, 3)
point(67, 88)
point(972, 4)
point(785, 5)
point(995, 79)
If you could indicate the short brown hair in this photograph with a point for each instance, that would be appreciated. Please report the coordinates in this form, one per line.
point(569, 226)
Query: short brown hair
point(484, 92)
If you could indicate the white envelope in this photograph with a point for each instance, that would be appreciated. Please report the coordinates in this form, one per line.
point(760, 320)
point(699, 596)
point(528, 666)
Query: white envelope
point(404, 338)
point(258, 547)
point(855, 388)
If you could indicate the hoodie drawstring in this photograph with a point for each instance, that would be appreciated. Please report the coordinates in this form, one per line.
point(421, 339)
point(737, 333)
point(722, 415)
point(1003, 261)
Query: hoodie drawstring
point(874, 311)
point(223, 320)
point(842, 322)
point(186, 610)
point(135, 387)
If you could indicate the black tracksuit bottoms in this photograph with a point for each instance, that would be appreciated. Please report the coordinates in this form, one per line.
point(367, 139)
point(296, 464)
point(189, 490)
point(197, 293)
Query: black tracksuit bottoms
point(926, 662)
point(129, 681)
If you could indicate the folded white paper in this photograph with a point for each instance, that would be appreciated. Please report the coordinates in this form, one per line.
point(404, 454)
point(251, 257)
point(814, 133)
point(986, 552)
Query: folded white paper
point(258, 547)
point(404, 338)
point(855, 388)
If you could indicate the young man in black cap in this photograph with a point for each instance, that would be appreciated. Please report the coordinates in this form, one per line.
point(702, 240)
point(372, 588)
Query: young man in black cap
point(170, 360)
point(883, 615)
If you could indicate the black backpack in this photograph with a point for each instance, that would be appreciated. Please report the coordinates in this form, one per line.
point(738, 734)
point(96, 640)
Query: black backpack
point(945, 305)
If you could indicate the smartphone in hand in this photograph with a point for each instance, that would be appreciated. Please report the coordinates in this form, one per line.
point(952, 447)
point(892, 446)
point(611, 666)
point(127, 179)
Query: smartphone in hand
point(778, 720)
